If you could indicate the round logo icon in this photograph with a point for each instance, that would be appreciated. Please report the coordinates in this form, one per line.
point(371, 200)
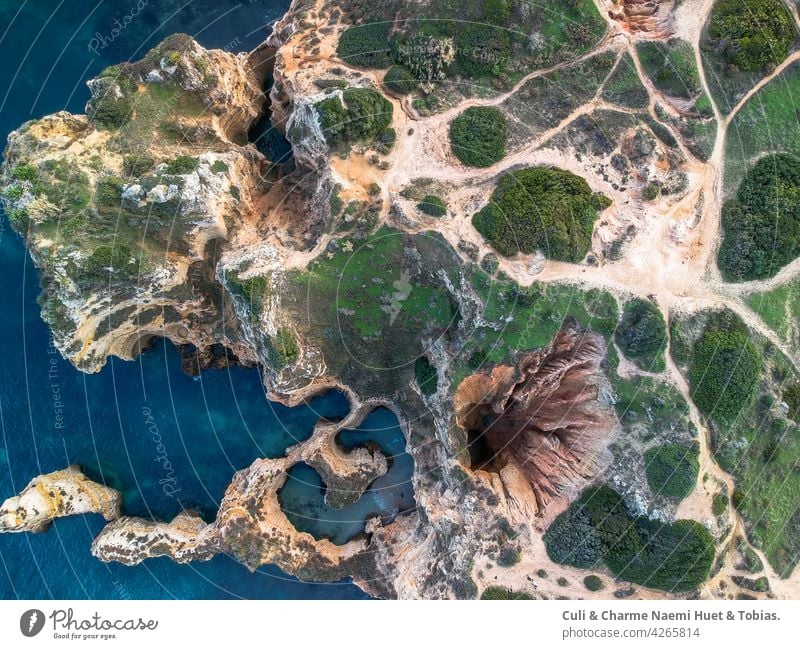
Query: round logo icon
point(31, 622)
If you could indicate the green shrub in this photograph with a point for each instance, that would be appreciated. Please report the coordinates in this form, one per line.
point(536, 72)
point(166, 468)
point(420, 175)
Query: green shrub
point(672, 469)
point(219, 167)
point(593, 583)
point(724, 369)
point(432, 206)
point(498, 592)
point(510, 555)
point(597, 528)
point(252, 290)
point(108, 191)
point(753, 35)
point(652, 191)
point(364, 114)
point(183, 164)
point(541, 208)
point(478, 136)
point(490, 263)
point(761, 226)
point(482, 50)
point(642, 334)
point(106, 262)
point(366, 46)
point(137, 165)
point(107, 107)
point(26, 172)
point(791, 396)
point(426, 376)
point(399, 80)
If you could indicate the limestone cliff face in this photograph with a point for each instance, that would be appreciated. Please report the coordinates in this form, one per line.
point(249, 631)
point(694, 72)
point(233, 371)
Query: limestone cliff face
point(62, 493)
point(548, 416)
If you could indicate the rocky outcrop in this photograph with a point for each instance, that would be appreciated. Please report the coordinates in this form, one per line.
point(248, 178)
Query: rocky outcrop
point(62, 493)
point(548, 415)
point(132, 540)
point(650, 18)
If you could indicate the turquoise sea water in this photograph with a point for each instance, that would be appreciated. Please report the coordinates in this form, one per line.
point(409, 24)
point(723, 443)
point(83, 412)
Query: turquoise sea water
point(167, 441)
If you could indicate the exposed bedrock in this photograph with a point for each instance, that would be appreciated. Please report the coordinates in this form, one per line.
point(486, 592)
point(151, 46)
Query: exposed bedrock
point(652, 18)
point(549, 416)
point(57, 494)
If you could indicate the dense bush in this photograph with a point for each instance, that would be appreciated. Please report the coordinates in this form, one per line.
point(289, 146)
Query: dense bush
point(761, 227)
point(108, 107)
point(183, 164)
point(753, 35)
point(672, 469)
point(598, 528)
point(541, 208)
point(426, 376)
point(366, 45)
point(108, 191)
point(432, 205)
point(107, 261)
point(399, 80)
point(482, 50)
point(724, 369)
point(478, 136)
point(364, 114)
point(137, 165)
point(498, 592)
point(642, 334)
point(593, 583)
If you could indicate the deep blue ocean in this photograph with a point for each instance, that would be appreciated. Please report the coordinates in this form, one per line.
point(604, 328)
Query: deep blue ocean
point(167, 441)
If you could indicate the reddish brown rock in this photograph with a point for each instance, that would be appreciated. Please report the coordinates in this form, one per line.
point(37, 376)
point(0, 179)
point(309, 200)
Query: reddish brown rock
point(546, 414)
point(650, 17)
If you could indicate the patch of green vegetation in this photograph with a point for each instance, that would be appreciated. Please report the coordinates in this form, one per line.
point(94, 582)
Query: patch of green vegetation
point(426, 376)
point(766, 124)
point(509, 556)
point(369, 288)
point(778, 308)
point(541, 208)
point(719, 504)
point(671, 67)
point(364, 114)
point(672, 469)
point(109, 107)
point(432, 206)
point(399, 80)
point(518, 318)
point(108, 191)
point(642, 334)
point(597, 528)
point(65, 184)
point(624, 87)
point(652, 191)
point(366, 45)
point(219, 167)
point(478, 136)
point(791, 396)
point(253, 290)
point(751, 35)
point(725, 368)
point(136, 165)
point(593, 583)
point(284, 346)
point(761, 226)
point(26, 172)
point(107, 262)
point(183, 164)
point(499, 592)
point(750, 437)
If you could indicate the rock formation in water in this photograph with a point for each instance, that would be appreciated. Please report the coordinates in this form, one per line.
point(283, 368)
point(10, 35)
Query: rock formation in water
point(550, 414)
point(50, 496)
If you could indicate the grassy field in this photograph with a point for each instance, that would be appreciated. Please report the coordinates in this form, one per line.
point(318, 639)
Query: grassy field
point(768, 123)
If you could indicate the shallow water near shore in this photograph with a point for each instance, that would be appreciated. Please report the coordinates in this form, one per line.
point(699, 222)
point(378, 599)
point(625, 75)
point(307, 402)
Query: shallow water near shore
point(167, 441)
